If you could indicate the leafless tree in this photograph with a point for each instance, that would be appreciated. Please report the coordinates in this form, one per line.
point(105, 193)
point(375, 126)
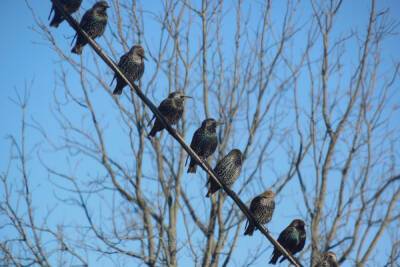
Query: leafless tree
point(307, 100)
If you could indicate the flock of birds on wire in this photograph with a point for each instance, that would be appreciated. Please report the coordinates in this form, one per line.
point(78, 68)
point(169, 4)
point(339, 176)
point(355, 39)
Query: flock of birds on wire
point(204, 141)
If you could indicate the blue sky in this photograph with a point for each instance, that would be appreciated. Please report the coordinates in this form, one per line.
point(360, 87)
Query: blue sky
point(28, 60)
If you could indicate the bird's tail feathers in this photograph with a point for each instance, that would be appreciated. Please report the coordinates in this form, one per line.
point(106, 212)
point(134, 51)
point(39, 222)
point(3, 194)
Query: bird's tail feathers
point(55, 22)
point(249, 228)
point(152, 132)
point(77, 49)
point(192, 166)
point(212, 188)
point(274, 258)
point(117, 91)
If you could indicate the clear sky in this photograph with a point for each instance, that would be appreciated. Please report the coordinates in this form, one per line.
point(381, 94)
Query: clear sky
point(26, 59)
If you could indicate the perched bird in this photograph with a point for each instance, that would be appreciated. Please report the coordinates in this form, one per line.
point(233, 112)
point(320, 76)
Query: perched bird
point(327, 259)
point(204, 142)
point(172, 109)
point(227, 170)
point(70, 6)
point(292, 239)
point(132, 66)
point(94, 23)
point(261, 207)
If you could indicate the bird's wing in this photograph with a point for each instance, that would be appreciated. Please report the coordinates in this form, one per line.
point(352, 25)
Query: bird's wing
point(224, 169)
point(84, 23)
point(122, 61)
point(254, 203)
point(86, 20)
point(218, 167)
point(228, 158)
point(270, 205)
point(196, 139)
point(165, 106)
point(286, 236)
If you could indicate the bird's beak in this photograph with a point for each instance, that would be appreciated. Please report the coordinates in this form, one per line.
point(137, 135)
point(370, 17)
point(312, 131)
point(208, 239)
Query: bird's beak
point(186, 96)
point(107, 6)
point(220, 123)
point(145, 58)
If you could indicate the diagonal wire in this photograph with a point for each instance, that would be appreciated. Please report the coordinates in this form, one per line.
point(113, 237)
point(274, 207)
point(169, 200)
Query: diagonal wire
point(204, 165)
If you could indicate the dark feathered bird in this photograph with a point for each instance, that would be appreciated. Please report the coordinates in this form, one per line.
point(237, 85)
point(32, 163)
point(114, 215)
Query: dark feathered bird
point(172, 109)
point(261, 207)
point(131, 65)
point(327, 259)
point(70, 6)
point(94, 23)
point(204, 142)
point(227, 170)
point(292, 239)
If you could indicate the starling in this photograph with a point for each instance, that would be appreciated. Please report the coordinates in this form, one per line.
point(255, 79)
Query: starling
point(172, 109)
point(132, 66)
point(70, 6)
point(94, 23)
point(227, 170)
point(261, 207)
point(204, 142)
point(292, 239)
point(327, 259)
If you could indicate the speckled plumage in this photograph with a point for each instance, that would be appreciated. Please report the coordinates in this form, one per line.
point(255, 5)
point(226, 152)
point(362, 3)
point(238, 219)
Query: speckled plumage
point(172, 109)
point(70, 6)
point(132, 66)
point(94, 23)
point(227, 170)
point(204, 142)
point(261, 207)
point(293, 239)
point(327, 259)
